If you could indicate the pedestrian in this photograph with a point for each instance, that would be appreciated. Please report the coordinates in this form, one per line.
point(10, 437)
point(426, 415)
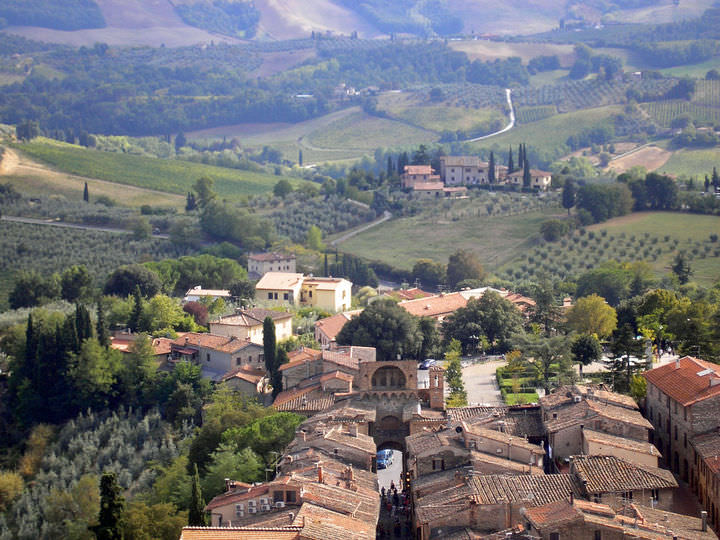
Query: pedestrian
point(382, 491)
point(392, 484)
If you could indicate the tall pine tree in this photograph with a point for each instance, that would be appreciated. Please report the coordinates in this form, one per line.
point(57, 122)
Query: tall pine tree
point(511, 164)
point(136, 313)
point(527, 178)
point(86, 193)
point(269, 344)
point(101, 328)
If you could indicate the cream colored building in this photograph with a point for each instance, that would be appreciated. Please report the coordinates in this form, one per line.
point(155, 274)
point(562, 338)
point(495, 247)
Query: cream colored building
point(539, 180)
point(260, 264)
point(248, 324)
point(464, 170)
point(331, 294)
point(417, 174)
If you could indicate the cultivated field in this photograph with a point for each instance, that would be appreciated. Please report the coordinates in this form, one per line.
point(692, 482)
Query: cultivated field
point(173, 176)
point(489, 50)
point(549, 134)
point(34, 179)
point(655, 237)
point(650, 157)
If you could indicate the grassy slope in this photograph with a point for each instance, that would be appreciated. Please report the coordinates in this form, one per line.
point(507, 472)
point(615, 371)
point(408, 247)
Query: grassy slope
point(160, 174)
point(548, 134)
point(495, 239)
point(692, 162)
point(364, 133)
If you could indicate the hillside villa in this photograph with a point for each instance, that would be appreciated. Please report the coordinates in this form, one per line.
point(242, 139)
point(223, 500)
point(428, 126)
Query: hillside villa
point(248, 324)
point(331, 294)
point(260, 264)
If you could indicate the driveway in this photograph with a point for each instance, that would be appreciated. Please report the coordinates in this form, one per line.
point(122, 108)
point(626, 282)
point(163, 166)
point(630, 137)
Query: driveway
point(480, 383)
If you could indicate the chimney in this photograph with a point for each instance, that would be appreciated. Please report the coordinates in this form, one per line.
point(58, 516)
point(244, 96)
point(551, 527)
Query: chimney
point(572, 498)
point(227, 484)
point(703, 517)
point(353, 430)
point(291, 515)
point(320, 474)
point(187, 340)
point(677, 363)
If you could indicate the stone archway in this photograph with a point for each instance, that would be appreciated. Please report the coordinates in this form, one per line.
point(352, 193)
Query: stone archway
point(388, 377)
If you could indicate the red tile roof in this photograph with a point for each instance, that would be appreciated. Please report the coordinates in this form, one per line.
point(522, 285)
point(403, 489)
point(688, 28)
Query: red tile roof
point(408, 294)
point(300, 356)
point(212, 341)
point(687, 380)
point(240, 533)
point(554, 513)
point(253, 377)
point(611, 474)
point(331, 326)
point(418, 169)
point(434, 306)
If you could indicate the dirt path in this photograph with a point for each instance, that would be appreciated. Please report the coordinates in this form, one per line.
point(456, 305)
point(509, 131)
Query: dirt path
point(51, 223)
point(387, 215)
point(511, 124)
point(35, 178)
point(650, 157)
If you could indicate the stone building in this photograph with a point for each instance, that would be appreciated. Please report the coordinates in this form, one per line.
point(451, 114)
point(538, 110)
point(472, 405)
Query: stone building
point(683, 401)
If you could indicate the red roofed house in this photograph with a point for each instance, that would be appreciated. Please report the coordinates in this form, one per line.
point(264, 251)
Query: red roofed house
point(683, 401)
point(417, 174)
point(438, 307)
point(248, 324)
point(539, 180)
point(327, 329)
point(217, 355)
point(306, 363)
point(260, 264)
point(123, 342)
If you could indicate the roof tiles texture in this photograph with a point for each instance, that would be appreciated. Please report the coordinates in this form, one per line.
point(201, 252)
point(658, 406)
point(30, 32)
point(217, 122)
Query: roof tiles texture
point(434, 306)
point(610, 474)
point(681, 380)
point(211, 341)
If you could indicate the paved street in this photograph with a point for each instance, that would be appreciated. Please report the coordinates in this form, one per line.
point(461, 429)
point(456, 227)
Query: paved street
point(480, 383)
point(392, 473)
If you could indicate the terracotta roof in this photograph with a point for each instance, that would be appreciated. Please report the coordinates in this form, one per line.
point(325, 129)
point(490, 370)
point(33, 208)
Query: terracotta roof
point(212, 341)
point(279, 281)
point(429, 186)
point(360, 504)
point(556, 513)
point(240, 533)
point(687, 380)
point(324, 524)
point(587, 409)
point(685, 527)
point(463, 161)
point(301, 356)
point(293, 393)
point(417, 169)
point(241, 493)
point(341, 358)
point(336, 375)
point(270, 257)
point(477, 459)
point(325, 283)
point(331, 326)
point(456, 414)
point(252, 377)
point(434, 306)
point(707, 447)
point(564, 395)
point(252, 317)
point(535, 490)
point(428, 440)
point(621, 442)
point(123, 342)
point(504, 438)
point(408, 294)
point(610, 474)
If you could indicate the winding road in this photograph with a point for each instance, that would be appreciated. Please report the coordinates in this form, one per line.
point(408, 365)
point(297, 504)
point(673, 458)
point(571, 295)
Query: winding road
point(52, 223)
point(508, 95)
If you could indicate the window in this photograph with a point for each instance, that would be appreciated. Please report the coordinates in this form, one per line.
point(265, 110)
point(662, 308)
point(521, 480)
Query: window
point(628, 495)
point(290, 496)
point(238, 361)
point(310, 294)
point(269, 296)
point(207, 357)
point(261, 358)
point(676, 433)
point(598, 535)
point(286, 296)
point(250, 358)
point(276, 296)
point(554, 536)
point(655, 494)
point(277, 496)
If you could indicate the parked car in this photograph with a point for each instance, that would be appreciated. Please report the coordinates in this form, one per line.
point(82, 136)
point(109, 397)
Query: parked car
point(427, 364)
point(384, 459)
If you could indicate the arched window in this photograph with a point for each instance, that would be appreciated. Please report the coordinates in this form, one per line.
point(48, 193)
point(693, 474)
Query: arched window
point(388, 377)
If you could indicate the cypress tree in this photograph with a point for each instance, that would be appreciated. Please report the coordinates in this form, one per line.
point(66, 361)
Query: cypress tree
point(390, 166)
point(707, 184)
point(196, 514)
point(527, 179)
point(511, 164)
point(112, 505)
point(715, 178)
point(269, 344)
point(101, 328)
point(491, 169)
point(83, 325)
point(326, 265)
point(300, 158)
point(136, 314)
point(31, 343)
point(86, 193)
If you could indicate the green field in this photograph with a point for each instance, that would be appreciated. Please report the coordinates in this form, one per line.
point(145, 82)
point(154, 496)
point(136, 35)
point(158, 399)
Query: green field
point(172, 176)
point(400, 242)
point(692, 162)
point(549, 134)
point(440, 118)
point(364, 133)
point(664, 112)
point(655, 237)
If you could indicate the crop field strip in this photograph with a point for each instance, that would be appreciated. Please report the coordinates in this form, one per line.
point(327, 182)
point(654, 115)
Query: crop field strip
point(664, 112)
